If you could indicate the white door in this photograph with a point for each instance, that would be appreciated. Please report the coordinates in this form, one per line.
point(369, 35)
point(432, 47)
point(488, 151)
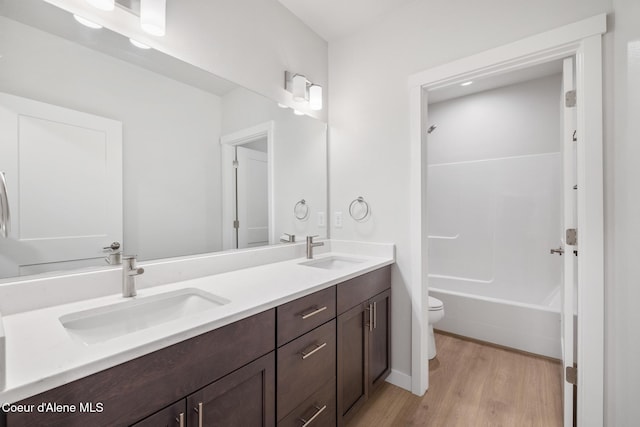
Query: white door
point(569, 221)
point(63, 170)
point(252, 198)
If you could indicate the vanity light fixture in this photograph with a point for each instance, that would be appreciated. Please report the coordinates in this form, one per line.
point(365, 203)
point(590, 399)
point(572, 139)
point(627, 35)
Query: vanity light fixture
point(138, 44)
point(153, 16)
point(102, 4)
point(302, 90)
point(466, 83)
point(315, 97)
point(86, 22)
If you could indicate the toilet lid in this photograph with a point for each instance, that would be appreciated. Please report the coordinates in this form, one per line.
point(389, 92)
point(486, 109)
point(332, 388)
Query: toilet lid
point(435, 303)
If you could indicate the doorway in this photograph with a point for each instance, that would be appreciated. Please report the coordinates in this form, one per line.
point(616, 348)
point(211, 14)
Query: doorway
point(247, 180)
point(582, 40)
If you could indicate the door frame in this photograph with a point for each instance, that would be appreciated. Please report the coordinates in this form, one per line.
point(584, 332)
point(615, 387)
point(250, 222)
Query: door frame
point(583, 40)
point(227, 145)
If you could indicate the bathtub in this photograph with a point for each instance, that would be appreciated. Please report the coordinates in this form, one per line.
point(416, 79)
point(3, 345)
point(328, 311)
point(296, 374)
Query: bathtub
point(527, 326)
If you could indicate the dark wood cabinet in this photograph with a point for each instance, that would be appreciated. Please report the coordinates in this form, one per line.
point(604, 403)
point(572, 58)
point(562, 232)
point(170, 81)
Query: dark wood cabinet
point(245, 397)
point(173, 416)
point(363, 340)
point(380, 340)
point(352, 345)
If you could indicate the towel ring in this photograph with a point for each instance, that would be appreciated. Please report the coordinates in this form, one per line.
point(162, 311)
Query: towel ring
point(360, 201)
point(301, 210)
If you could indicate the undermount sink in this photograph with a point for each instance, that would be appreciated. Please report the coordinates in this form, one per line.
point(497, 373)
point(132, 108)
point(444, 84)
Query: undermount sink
point(333, 262)
point(104, 323)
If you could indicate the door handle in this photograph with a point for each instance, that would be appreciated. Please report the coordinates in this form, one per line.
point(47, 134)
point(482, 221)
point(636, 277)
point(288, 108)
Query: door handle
point(558, 251)
point(5, 214)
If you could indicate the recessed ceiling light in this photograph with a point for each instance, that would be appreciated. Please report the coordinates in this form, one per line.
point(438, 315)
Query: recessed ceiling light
point(86, 22)
point(466, 83)
point(141, 45)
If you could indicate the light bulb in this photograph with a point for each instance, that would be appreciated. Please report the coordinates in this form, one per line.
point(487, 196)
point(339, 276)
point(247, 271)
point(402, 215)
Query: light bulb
point(315, 97)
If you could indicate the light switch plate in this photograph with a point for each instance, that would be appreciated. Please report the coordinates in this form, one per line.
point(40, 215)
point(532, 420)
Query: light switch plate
point(337, 219)
point(321, 219)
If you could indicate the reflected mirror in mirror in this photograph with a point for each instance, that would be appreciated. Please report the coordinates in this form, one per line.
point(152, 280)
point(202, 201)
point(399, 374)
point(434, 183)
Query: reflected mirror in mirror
point(104, 142)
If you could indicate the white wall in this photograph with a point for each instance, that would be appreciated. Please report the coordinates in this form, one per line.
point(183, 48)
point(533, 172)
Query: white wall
point(623, 219)
point(369, 116)
point(250, 42)
point(299, 151)
point(170, 135)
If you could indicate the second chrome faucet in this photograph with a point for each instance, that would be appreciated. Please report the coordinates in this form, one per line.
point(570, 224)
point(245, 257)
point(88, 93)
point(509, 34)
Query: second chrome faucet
point(310, 245)
point(129, 273)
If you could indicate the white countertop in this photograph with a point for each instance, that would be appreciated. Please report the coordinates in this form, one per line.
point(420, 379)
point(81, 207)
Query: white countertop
point(41, 355)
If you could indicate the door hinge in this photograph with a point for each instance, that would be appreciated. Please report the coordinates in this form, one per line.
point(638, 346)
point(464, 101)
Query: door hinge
point(571, 236)
point(235, 164)
point(236, 224)
point(570, 98)
point(571, 375)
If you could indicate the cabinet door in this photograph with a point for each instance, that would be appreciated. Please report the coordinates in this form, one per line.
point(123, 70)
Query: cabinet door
point(352, 349)
point(245, 397)
point(380, 339)
point(173, 416)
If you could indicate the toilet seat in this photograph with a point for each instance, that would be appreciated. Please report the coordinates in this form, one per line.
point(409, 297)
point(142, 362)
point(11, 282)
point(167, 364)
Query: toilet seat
point(435, 304)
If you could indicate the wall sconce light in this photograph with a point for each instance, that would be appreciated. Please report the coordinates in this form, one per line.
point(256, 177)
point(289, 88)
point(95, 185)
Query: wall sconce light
point(302, 90)
point(102, 4)
point(153, 16)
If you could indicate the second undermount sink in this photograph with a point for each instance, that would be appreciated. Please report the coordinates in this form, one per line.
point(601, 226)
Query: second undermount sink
point(333, 262)
point(104, 323)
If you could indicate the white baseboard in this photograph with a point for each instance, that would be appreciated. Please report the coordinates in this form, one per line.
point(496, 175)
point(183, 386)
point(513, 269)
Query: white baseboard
point(399, 379)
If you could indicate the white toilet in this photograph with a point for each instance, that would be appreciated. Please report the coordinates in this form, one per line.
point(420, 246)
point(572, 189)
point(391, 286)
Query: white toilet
point(436, 312)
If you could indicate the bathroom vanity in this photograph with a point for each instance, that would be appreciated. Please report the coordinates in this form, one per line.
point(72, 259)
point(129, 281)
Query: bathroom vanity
point(313, 351)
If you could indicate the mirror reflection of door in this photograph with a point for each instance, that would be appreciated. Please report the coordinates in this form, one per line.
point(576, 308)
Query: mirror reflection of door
point(252, 210)
point(63, 170)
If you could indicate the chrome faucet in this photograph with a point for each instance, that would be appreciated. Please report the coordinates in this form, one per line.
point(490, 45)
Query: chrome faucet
point(310, 245)
point(129, 273)
point(288, 238)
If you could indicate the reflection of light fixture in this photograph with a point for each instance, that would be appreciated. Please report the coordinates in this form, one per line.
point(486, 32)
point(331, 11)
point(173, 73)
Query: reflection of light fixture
point(315, 97)
point(298, 113)
point(466, 83)
point(86, 22)
point(102, 4)
point(302, 90)
point(299, 88)
point(138, 44)
point(153, 16)
point(281, 105)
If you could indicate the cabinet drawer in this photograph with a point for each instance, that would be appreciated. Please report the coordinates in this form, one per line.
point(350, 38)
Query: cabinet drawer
point(361, 288)
point(302, 315)
point(319, 410)
point(304, 365)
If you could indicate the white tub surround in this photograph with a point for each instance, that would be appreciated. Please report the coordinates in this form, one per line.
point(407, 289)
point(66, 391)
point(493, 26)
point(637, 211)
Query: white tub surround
point(41, 354)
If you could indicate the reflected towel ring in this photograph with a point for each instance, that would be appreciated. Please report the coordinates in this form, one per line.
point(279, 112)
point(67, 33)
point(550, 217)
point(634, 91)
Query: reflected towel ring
point(360, 201)
point(301, 210)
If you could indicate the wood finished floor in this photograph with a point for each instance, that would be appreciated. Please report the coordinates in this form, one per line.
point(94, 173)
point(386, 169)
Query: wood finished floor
point(472, 384)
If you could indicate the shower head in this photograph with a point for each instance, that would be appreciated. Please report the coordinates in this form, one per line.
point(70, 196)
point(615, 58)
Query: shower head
point(431, 128)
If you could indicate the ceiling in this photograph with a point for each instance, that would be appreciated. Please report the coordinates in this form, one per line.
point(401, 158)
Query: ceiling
point(333, 19)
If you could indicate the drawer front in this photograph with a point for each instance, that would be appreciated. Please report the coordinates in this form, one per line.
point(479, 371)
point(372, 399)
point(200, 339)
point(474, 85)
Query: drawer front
point(304, 314)
point(361, 288)
point(319, 410)
point(304, 365)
